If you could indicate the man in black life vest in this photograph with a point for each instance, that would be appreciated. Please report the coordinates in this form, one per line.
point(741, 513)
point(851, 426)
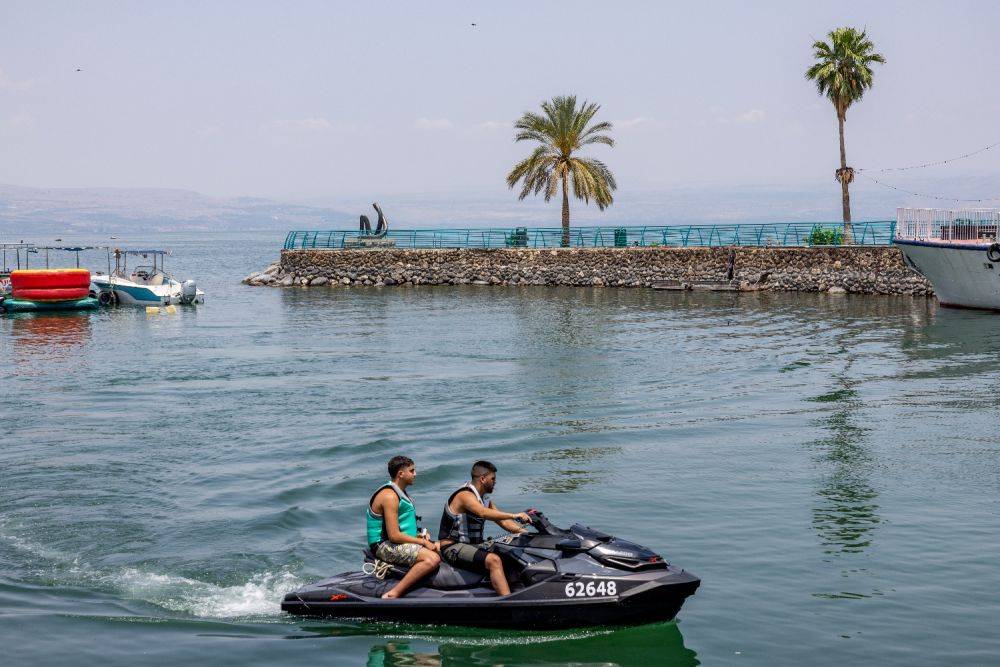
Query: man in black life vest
point(461, 533)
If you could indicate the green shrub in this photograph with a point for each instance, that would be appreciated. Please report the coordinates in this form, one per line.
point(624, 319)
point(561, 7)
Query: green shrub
point(821, 236)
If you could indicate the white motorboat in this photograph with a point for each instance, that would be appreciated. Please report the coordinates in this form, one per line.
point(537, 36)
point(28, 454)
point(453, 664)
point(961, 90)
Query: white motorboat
point(144, 285)
point(956, 250)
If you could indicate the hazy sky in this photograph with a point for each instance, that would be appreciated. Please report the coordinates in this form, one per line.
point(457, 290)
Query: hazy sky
point(322, 99)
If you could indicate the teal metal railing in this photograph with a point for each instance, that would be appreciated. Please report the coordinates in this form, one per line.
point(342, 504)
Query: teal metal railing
point(879, 232)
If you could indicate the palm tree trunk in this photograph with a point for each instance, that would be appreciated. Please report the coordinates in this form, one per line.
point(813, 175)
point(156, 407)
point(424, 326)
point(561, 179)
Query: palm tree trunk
point(844, 184)
point(565, 214)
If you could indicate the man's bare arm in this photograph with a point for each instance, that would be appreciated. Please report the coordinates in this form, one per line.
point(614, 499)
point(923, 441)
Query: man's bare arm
point(510, 525)
point(467, 503)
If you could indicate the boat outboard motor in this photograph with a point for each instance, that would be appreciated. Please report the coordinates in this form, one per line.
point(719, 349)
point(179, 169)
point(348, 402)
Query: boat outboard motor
point(189, 291)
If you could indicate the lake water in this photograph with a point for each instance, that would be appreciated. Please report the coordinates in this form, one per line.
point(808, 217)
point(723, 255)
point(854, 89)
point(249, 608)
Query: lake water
point(829, 465)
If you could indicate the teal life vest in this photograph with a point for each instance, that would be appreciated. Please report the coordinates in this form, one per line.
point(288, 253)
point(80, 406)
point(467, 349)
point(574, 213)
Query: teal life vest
point(375, 524)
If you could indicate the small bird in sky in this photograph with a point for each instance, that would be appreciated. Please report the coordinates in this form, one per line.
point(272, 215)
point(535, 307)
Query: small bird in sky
point(473, 25)
point(78, 69)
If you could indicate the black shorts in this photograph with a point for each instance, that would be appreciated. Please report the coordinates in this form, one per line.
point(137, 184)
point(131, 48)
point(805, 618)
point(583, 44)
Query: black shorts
point(465, 556)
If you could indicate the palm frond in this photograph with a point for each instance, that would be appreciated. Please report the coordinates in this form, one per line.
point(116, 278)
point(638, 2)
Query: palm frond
point(598, 179)
point(552, 184)
point(532, 171)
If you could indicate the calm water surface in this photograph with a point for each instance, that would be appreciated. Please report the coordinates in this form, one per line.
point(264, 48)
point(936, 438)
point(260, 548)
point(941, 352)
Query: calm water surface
point(829, 465)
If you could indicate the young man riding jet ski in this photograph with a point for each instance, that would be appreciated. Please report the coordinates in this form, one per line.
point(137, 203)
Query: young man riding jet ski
point(392, 528)
point(461, 533)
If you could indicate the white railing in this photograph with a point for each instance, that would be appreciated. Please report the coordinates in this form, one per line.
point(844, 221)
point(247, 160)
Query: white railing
point(943, 224)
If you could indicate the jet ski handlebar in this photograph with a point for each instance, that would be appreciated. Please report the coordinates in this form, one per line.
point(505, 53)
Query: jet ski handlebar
point(542, 524)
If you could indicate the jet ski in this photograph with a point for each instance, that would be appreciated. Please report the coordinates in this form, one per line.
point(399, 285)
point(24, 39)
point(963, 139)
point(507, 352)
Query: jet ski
point(560, 578)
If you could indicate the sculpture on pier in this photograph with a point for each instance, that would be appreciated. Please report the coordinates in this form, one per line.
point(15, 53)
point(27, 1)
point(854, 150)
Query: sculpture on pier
point(381, 226)
point(367, 238)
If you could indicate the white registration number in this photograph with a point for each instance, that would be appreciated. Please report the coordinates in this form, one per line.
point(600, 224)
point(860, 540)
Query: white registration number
point(578, 589)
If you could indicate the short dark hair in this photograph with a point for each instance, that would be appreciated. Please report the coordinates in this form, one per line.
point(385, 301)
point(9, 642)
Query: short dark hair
point(397, 463)
point(480, 468)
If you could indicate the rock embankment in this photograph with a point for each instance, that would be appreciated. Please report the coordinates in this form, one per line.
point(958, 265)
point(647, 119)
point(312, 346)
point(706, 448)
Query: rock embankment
point(858, 269)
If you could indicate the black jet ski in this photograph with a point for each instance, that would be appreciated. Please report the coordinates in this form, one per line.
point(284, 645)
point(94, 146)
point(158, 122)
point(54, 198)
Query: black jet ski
point(559, 578)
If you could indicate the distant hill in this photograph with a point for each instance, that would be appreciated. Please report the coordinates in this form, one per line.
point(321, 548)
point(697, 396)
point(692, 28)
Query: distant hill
point(101, 210)
point(81, 211)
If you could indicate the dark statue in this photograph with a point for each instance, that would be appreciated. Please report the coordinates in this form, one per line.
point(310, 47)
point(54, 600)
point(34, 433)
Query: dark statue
point(381, 227)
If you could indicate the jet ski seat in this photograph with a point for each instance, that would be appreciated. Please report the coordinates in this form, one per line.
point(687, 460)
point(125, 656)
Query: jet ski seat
point(446, 578)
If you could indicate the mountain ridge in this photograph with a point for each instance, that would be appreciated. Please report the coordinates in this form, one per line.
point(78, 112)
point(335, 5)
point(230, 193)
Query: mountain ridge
point(111, 209)
point(29, 210)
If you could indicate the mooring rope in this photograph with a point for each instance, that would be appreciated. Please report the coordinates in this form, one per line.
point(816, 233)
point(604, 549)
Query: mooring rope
point(378, 569)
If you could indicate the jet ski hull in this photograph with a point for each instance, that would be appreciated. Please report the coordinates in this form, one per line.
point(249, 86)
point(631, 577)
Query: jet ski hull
point(639, 598)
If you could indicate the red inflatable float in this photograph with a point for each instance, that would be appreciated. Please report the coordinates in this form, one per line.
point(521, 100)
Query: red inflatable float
point(50, 279)
point(51, 294)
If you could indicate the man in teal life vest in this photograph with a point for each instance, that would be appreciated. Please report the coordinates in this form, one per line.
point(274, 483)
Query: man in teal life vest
point(392, 528)
point(461, 532)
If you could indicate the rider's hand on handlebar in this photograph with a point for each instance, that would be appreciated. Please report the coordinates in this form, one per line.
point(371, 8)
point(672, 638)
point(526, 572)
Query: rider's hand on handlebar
point(522, 517)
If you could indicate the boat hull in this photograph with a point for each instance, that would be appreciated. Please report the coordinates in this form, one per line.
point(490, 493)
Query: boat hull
point(133, 294)
point(961, 273)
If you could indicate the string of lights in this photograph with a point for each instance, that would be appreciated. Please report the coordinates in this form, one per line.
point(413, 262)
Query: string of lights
point(927, 196)
point(936, 162)
point(868, 171)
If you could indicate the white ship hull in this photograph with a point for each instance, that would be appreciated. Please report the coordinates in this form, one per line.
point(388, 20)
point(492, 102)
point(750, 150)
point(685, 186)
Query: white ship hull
point(961, 273)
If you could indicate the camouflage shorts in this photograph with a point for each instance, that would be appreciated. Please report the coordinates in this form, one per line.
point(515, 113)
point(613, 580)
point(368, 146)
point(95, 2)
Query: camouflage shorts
point(404, 554)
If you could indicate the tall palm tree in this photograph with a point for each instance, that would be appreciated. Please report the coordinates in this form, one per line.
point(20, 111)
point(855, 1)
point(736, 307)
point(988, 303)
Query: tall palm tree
point(843, 72)
point(562, 130)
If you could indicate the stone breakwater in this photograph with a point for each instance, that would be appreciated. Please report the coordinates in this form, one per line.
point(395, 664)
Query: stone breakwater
point(857, 269)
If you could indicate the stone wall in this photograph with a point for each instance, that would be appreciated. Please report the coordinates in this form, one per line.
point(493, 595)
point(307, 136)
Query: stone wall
point(860, 269)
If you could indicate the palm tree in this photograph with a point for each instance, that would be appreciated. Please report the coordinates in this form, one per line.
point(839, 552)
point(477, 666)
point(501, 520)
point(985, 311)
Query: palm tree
point(843, 72)
point(562, 130)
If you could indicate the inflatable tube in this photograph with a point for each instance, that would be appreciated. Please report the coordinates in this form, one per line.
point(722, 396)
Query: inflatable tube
point(21, 306)
point(993, 252)
point(49, 278)
point(53, 294)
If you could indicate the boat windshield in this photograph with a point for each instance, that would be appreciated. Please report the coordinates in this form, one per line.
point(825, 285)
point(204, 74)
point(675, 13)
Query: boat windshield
point(148, 275)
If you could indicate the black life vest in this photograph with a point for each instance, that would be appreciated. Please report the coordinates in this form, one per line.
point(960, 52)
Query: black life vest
point(466, 528)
